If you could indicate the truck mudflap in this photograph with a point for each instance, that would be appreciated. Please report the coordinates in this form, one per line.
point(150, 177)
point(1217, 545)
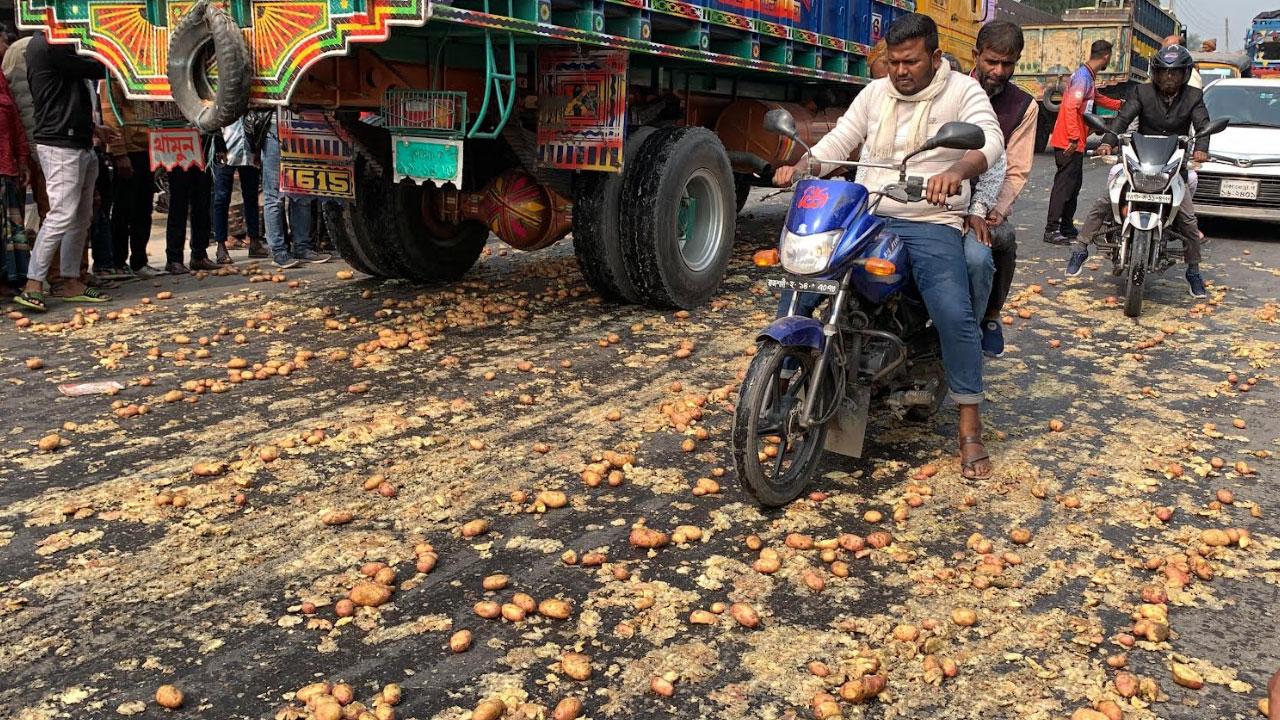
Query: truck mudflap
point(133, 36)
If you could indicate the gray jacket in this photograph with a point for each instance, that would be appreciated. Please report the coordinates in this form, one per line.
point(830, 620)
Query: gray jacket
point(15, 71)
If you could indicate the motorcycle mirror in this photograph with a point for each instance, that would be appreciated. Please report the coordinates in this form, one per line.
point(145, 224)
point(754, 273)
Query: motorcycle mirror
point(1095, 123)
point(779, 121)
point(1215, 126)
point(958, 136)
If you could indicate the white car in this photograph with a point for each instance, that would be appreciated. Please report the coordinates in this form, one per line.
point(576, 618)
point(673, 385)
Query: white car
point(1236, 182)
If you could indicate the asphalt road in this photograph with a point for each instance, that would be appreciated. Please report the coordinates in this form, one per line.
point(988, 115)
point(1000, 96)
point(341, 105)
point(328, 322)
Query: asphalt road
point(107, 590)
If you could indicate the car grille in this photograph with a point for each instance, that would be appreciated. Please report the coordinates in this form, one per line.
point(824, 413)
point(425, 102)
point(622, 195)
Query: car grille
point(1268, 192)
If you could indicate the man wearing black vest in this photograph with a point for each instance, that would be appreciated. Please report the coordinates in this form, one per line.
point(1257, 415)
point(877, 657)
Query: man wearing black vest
point(996, 55)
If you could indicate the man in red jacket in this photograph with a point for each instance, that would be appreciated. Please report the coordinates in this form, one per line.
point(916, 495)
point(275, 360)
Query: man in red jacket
point(1068, 140)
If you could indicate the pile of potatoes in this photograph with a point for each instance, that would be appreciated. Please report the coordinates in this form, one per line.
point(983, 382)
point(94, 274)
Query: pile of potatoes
point(325, 701)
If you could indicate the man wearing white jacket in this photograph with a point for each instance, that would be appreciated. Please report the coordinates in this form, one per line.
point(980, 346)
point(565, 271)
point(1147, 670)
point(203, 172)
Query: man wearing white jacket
point(889, 119)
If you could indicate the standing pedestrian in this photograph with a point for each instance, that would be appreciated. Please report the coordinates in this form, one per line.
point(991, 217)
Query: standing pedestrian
point(274, 209)
point(996, 55)
point(14, 175)
point(1068, 141)
point(190, 192)
point(134, 182)
point(14, 66)
point(235, 155)
point(64, 136)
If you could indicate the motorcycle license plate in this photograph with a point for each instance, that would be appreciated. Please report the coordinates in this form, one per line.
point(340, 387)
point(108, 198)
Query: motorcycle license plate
point(1149, 198)
point(1239, 189)
point(807, 285)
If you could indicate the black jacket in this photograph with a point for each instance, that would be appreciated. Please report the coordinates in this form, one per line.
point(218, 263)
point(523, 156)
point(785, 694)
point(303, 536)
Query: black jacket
point(63, 104)
point(1155, 118)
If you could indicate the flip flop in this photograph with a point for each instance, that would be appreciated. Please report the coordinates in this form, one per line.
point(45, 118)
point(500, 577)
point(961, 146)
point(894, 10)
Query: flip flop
point(90, 295)
point(968, 466)
point(32, 300)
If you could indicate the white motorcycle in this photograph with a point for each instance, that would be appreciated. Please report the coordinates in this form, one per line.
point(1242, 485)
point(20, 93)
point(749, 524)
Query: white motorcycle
point(1144, 203)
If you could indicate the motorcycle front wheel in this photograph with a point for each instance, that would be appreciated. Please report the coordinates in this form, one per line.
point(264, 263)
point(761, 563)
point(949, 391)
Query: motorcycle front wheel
point(1135, 275)
point(775, 457)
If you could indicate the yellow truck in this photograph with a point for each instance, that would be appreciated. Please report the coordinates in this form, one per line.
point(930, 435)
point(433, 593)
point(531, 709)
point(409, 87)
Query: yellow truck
point(958, 23)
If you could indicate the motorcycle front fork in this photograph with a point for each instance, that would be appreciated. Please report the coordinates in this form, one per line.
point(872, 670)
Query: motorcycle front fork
point(831, 341)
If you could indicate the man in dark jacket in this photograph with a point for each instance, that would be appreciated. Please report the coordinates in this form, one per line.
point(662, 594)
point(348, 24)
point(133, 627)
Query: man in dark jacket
point(64, 134)
point(1165, 106)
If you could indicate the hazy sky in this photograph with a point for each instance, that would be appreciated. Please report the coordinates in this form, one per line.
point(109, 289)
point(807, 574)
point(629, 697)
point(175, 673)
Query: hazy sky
point(1205, 18)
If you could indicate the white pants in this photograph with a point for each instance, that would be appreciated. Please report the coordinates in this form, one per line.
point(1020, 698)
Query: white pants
point(70, 176)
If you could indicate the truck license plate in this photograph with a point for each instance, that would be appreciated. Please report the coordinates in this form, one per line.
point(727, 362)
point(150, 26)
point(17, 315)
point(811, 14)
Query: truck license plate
point(1239, 189)
point(1149, 198)
point(428, 160)
point(797, 284)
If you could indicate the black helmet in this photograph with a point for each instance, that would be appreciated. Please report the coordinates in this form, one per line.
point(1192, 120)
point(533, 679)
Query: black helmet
point(1173, 57)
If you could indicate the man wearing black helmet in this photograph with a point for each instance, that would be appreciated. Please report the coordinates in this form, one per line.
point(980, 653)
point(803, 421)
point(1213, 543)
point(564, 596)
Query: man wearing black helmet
point(1165, 106)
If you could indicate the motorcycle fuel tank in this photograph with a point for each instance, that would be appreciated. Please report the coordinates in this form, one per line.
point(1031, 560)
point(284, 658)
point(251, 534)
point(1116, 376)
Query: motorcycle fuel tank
point(823, 205)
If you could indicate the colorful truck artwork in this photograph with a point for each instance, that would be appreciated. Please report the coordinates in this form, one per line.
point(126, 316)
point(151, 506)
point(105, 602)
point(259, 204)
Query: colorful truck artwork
point(427, 125)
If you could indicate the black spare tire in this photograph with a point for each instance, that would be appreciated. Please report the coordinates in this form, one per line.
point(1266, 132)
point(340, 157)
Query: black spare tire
point(207, 33)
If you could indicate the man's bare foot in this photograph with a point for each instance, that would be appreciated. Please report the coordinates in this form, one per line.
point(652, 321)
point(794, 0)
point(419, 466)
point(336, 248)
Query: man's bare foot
point(974, 461)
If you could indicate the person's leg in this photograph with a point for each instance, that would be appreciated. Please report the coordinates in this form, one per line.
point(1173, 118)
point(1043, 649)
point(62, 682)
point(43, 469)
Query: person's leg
point(121, 213)
point(223, 178)
point(39, 187)
point(1184, 223)
point(62, 179)
point(272, 201)
point(1057, 196)
point(249, 197)
point(201, 214)
point(941, 274)
point(1099, 215)
point(180, 182)
point(140, 207)
point(300, 224)
point(1004, 253)
point(981, 265)
point(1075, 171)
point(74, 246)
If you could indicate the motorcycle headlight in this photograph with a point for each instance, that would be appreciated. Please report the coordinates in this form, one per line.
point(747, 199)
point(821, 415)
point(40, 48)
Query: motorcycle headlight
point(808, 254)
point(1150, 182)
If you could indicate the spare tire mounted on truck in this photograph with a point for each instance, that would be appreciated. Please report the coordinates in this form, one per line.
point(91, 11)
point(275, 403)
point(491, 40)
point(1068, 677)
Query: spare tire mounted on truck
point(207, 34)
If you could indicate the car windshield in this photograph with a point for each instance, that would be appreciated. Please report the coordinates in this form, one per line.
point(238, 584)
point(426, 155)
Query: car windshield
point(1251, 104)
point(1208, 75)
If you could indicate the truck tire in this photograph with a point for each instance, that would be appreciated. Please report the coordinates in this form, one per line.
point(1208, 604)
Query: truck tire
point(207, 33)
point(596, 222)
point(677, 217)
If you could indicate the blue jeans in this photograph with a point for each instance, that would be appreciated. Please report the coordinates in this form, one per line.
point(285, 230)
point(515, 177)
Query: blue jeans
point(982, 269)
point(223, 180)
point(273, 205)
point(941, 273)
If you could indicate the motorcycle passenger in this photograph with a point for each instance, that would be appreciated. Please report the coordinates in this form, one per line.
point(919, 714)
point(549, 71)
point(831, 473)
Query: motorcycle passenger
point(1165, 106)
point(996, 54)
point(888, 119)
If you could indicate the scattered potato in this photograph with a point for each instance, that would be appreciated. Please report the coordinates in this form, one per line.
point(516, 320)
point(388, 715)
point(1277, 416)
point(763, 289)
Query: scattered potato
point(643, 537)
point(576, 665)
point(168, 696)
point(460, 641)
point(567, 709)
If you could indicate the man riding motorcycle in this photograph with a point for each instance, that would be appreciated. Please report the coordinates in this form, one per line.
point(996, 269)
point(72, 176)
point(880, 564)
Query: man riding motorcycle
point(1165, 106)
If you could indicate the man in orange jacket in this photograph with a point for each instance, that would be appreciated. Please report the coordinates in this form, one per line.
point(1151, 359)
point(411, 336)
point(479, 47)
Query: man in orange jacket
point(1068, 140)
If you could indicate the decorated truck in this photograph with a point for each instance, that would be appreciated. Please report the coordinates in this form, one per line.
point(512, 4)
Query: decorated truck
point(1136, 30)
point(1262, 44)
point(635, 125)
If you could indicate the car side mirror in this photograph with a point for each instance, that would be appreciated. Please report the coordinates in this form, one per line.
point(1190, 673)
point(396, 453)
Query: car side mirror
point(1215, 126)
point(780, 122)
point(1096, 123)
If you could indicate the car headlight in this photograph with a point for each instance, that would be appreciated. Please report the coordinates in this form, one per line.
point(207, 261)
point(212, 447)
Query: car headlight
point(808, 254)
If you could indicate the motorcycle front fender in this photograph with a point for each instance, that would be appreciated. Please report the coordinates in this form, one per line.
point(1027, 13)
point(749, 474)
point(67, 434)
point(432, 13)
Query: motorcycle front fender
point(794, 331)
point(1143, 220)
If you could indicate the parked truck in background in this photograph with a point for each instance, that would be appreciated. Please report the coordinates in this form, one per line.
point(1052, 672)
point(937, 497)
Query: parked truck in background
point(1135, 28)
point(1262, 44)
point(958, 24)
point(633, 124)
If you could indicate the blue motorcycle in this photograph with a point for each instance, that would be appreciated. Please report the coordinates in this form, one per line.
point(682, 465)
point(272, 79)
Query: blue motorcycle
point(811, 383)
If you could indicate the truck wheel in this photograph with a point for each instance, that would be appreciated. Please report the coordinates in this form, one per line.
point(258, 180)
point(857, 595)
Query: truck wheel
point(204, 35)
point(677, 217)
point(340, 220)
point(426, 249)
point(596, 221)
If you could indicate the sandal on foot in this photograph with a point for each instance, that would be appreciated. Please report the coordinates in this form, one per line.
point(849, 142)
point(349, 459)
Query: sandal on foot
point(31, 299)
point(968, 466)
point(90, 295)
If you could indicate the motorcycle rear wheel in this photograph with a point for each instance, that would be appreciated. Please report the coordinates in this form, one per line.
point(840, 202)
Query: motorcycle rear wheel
point(776, 458)
point(1135, 274)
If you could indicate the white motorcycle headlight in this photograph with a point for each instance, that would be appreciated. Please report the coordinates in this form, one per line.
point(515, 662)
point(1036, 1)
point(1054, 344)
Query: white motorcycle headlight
point(808, 254)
